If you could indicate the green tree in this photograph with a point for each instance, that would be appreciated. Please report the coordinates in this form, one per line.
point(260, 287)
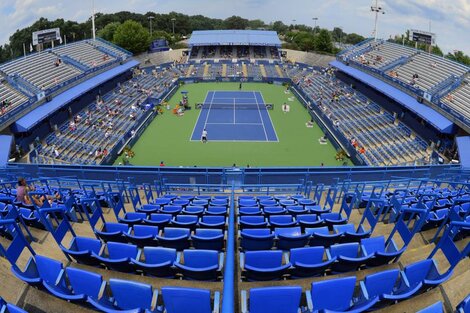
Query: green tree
point(323, 41)
point(353, 39)
point(236, 22)
point(280, 27)
point(132, 36)
point(107, 33)
point(459, 56)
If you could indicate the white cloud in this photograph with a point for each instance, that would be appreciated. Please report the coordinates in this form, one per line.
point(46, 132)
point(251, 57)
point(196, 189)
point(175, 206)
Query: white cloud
point(449, 18)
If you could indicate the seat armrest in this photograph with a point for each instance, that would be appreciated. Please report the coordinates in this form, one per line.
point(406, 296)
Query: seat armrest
point(216, 302)
point(221, 261)
point(244, 301)
point(242, 260)
point(308, 296)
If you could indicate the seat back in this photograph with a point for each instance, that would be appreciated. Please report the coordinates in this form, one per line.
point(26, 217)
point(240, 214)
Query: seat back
point(288, 231)
point(381, 283)
point(173, 232)
point(333, 294)
point(257, 232)
point(48, 269)
point(115, 227)
point(417, 272)
point(200, 258)
point(85, 243)
point(117, 250)
point(349, 250)
point(252, 219)
point(318, 230)
point(373, 244)
point(144, 230)
point(309, 255)
point(208, 233)
point(160, 217)
point(281, 218)
point(131, 295)
point(345, 228)
point(157, 255)
point(186, 218)
point(275, 299)
point(84, 282)
point(179, 299)
point(213, 219)
point(264, 259)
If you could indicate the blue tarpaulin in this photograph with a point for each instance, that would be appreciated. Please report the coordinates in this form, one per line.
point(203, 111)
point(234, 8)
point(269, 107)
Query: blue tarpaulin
point(5, 146)
point(234, 38)
point(37, 115)
point(433, 117)
point(463, 144)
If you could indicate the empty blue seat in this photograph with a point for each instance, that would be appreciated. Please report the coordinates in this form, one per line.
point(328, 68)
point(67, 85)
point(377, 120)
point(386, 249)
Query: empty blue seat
point(435, 219)
point(180, 202)
point(257, 239)
point(81, 249)
point(179, 299)
point(249, 221)
point(32, 276)
point(317, 209)
point(217, 202)
point(276, 221)
point(335, 295)
point(274, 210)
point(249, 210)
point(118, 256)
point(193, 210)
point(306, 202)
point(200, 265)
point(212, 221)
point(208, 239)
point(171, 209)
point(113, 232)
point(159, 219)
point(333, 218)
point(143, 235)
point(127, 295)
point(268, 202)
point(309, 261)
point(464, 306)
point(425, 272)
point(309, 220)
point(350, 234)
point(9, 308)
point(158, 261)
point(287, 202)
point(176, 238)
point(185, 221)
point(321, 236)
point(272, 299)
point(296, 210)
point(216, 210)
point(132, 218)
point(291, 237)
point(380, 253)
point(381, 285)
point(247, 202)
point(31, 218)
point(263, 265)
point(200, 201)
point(349, 257)
point(148, 208)
point(162, 201)
point(434, 308)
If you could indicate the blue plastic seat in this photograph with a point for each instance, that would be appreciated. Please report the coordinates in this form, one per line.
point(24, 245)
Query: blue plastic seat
point(249, 221)
point(296, 210)
point(256, 239)
point(435, 219)
point(201, 201)
point(132, 218)
point(176, 238)
point(127, 296)
point(200, 265)
point(349, 233)
point(159, 219)
point(291, 237)
point(276, 221)
point(317, 209)
point(208, 239)
point(306, 202)
point(333, 218)
point(434, 308)
point(321, 236)
point(193, 210)
point(247, 202)
point(380, 253)
point(212, 221)
point(381, 285)
point(309, 220)
point(185, 221)
point(349, 257)
point(268, 202)
point(171, 209)
point(425, 272)
point(81, 249)
point(118, 256)
point(32, 276)
point(287, 202)
point(249, 210)
point(179, 299)
point(336, 295)
point(216, 210)
point(158, 261)
point(148, 208)
point(180, 202)
point(219, 202)
point(274, 210)
point(272, 299)
point(31, 218)
point(309, 262)
point(162, 201)
point(263, 265)
point(143, 235)
point(464, 306)
point(9, 308)
point(113, 232)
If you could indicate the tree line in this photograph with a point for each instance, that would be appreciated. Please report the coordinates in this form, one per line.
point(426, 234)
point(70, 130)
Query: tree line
point(135, 31)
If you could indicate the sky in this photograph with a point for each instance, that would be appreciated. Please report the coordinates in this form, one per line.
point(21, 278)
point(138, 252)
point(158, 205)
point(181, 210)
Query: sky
point(449, 19)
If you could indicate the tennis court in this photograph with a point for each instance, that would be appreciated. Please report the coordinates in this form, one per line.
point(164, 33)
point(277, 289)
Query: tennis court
point(235, 116)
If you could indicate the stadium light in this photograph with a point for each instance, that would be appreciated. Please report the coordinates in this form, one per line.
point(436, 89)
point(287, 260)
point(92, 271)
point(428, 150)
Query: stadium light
point(173, 21)
point(376, 10)
point(314, 31)
point(93, 30)
point(151, 19)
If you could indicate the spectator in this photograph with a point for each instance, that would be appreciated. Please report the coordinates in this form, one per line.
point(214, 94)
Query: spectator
point(162, 163)
point(309, 124)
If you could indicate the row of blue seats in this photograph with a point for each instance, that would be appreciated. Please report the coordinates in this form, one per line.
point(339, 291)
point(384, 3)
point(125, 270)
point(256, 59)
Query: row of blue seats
point(286, 238)
point(264, 265)
point(303, 220)
point(178, 209)
point(9, 308)
point(283, 201)
point(338, 295)
point(278, 210)
point(88, 288)
point(154, 261)
point(176, 220)
point(170, 237)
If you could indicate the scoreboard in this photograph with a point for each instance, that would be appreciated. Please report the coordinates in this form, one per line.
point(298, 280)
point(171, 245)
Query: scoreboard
point(46, 36)
point(422, 37)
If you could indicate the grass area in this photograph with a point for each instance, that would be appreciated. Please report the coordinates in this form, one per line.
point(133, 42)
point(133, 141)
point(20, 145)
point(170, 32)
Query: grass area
point(168, 137)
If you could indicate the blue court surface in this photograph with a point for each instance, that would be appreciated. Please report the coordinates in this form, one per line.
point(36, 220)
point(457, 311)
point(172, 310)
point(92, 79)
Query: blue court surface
point(234, 116)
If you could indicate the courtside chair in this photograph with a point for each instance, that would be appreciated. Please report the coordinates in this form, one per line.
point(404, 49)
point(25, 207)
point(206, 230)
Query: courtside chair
point(179, 299)
point(200, 264)
point(256, 239)
point(263, 265)
point(157, 261)
point(208, 239)
point(272, 299)
point(309, 262)
point(176, 238)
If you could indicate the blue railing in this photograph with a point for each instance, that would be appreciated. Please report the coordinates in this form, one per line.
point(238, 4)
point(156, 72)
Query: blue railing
point(115, 46)
point(68, 60)
point(400, 61)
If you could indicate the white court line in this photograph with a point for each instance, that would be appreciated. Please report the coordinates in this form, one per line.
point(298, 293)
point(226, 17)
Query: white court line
point(261, 117)
point(195, 124)
point(256, 124)
point(272, 124)
point(209, 110)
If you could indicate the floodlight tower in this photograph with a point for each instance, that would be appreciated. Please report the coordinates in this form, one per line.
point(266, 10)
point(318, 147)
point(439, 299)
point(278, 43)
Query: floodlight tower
point(376, 9)
point(93, 30)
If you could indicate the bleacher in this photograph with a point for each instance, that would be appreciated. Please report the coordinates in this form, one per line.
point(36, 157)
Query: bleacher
point(85, 53)
point(10, 95)
point(459, 99)
point(126, 245)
